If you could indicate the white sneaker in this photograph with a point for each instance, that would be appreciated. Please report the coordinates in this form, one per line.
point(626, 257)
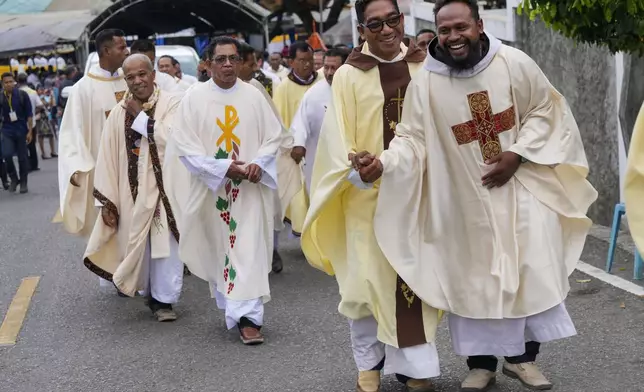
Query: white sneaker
point(529, 375)
point(478, 380)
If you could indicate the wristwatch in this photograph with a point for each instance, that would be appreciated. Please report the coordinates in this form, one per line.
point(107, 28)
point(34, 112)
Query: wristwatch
point(524, 160)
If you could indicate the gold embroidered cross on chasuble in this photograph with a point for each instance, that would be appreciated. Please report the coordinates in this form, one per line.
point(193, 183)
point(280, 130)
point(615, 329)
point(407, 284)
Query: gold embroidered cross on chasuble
point(485, 126)
point(118, 95)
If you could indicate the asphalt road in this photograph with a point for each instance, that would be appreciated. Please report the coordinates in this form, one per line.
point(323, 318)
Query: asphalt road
point(79, 337)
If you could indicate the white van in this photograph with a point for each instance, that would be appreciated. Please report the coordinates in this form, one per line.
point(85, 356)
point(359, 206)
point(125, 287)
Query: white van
point(185, 55)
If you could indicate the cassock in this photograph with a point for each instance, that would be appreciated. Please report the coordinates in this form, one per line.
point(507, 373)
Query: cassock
point(287, 97)
point(338, 237)
point(90, 102)
point(497, 259)
point(308, 122)
point(226, 226)
point(141, 254)
point(634, 184)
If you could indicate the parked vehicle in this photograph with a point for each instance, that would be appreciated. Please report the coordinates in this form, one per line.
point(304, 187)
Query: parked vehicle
point(185, 55)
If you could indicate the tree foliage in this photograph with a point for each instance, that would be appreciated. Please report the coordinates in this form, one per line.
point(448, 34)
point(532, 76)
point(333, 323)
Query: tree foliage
point(615, 24)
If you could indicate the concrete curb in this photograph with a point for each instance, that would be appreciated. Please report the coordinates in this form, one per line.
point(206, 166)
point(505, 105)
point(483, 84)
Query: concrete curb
point(624, 239)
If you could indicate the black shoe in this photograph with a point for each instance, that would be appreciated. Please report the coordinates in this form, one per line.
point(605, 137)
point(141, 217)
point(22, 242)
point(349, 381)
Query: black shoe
point(13, 186)
point(5, 185)
point(186, 271)
point(24, 188)
point(278, 266)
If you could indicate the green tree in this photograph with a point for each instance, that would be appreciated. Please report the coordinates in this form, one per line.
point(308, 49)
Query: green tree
point(615, 24)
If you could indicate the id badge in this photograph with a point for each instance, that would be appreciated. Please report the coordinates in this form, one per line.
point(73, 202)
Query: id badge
point(13, 116)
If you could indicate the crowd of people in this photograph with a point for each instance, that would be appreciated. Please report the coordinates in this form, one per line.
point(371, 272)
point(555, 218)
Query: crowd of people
point(443, 179)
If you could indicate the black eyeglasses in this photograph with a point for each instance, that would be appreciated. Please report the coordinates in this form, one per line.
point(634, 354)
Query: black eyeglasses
point(234, 59)
point(376, 27)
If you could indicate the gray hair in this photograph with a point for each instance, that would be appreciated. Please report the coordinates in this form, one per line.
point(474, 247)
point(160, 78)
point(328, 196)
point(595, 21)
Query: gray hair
point(133, 58)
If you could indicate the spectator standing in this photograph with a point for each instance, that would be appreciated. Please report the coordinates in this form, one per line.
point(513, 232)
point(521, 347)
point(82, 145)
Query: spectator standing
point(36, 104)
point(16, 130)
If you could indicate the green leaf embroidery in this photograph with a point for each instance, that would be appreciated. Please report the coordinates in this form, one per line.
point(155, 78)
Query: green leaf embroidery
point(232, 225)
point(222, 204)
point(227, 261)
point(232, 274)
point(237, 182)
point(221, 154)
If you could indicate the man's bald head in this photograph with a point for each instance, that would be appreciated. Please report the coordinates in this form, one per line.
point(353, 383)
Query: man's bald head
point(139, 76)
point(137, 60)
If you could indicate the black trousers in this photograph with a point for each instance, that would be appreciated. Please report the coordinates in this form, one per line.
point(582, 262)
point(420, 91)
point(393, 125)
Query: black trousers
point(3, 172)
point(490, 362)
point(33, 154)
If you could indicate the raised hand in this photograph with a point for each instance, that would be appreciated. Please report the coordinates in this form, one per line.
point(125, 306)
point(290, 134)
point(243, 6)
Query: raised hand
point(507, 163)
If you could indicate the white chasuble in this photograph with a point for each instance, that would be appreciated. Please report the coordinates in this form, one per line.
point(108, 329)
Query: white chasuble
point(307, 124)
point(476, 252)
point(226, 225)
point(88, 106)
point(130, 183)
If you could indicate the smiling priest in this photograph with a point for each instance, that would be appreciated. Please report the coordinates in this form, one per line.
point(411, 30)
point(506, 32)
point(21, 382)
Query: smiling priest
point(135, 243)
point(485, 185)
point(391, 328)
point(222, 155)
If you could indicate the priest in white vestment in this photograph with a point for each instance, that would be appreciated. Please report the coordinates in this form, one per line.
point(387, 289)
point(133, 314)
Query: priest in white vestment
point(307, 122)
point(135, 244)
point(89, 103)
point(164, 81)
point(483, 201)
point(222, 159)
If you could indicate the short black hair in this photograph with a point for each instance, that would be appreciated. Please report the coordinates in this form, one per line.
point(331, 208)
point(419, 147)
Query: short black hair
point(361, 6)
point(337, 52)
point(220, 41)
point(8, 75)
point(245, 50)
point(70, 70)
point(472, 4)
point(425, 31)
point(319, 51)
point(299, 46)
point(105, 37)
point(172, 59)
point(142, 46)
point(22, 78)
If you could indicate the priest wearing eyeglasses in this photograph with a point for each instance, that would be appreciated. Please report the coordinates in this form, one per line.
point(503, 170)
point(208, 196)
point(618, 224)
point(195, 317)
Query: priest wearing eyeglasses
point(221, 159)
point(391, 328)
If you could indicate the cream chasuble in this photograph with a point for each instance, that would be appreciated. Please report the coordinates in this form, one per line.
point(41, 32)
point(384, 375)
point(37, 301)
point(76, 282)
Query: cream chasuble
point(634, 184)
point(484, 253)
point(338, 236)
point(226, 226)
point(130, 183)
point(88, 106)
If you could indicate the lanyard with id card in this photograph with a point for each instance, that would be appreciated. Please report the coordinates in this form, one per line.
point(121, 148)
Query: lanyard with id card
point(13, 117)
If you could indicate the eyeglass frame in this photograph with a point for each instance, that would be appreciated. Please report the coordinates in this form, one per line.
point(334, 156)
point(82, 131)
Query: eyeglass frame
point(221, 60)
point(392, 22)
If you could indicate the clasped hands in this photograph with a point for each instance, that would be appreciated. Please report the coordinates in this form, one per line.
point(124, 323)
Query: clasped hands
point(237, 172)
point(367, 165)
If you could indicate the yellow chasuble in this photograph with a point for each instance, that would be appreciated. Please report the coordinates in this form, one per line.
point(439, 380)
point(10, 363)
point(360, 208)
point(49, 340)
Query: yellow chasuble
point(478, 252)
point(338, 235)
point(88, 106)
point(634, 184)
point(287, 98)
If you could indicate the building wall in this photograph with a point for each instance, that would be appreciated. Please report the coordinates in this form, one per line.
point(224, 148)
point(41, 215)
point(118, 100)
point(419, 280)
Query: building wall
point(586, 76)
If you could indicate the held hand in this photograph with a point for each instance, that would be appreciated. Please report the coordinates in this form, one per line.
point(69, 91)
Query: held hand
point(74, 180)
point(235, 172)
point(361, 159)
point(372, 172)
point(133, 107)
point(297, 153)
point(109, 218)
point(507, 163)
point(254, 173)
point(30, 136)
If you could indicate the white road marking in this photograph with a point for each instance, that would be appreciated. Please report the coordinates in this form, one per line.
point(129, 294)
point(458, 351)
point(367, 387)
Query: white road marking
point(612, 280)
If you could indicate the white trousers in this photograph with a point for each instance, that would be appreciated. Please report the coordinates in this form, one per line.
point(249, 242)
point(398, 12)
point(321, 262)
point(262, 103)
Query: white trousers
point(507, 337)
point(165, 275)
point(252, 309)
point(418, 362)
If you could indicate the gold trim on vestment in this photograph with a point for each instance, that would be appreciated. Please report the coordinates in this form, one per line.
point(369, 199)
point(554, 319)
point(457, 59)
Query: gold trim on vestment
point(104, 79)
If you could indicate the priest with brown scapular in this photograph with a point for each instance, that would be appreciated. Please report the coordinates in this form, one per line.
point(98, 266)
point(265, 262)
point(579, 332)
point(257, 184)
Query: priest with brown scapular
point(391, 328)
point(135, 242)
point(483, 201)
